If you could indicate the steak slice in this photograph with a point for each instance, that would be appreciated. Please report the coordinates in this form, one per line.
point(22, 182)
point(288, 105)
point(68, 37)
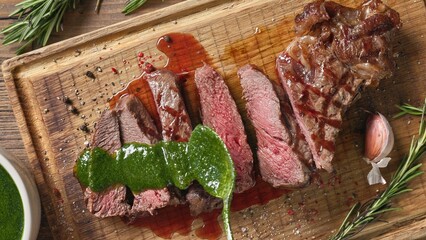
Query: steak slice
point(200, 201)
point(343, 51)
point(299, 143)
point(175, 122)
point(113, 200)
point(136, 125)
point(220, 113)
point(176, 126)
point(108, 203)
point(107, 132)
point(279, 163)
point(149, 201)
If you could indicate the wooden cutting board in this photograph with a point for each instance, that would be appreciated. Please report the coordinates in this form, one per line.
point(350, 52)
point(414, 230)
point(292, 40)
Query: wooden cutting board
point(234, 33)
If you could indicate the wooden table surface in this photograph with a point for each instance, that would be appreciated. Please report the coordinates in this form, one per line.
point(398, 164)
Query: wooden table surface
point(77, 22)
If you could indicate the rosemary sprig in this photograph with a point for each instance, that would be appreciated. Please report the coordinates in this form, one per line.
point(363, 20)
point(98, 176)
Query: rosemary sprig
point(36, 21)
point(408, 109)
point(360, 215)
point(132, 5)
point(38, 18)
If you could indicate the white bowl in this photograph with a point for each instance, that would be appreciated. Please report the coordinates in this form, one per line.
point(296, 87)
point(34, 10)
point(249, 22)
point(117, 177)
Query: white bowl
point(27, 188)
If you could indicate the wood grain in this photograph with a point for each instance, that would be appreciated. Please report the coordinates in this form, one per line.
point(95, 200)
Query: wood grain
point(233, 33)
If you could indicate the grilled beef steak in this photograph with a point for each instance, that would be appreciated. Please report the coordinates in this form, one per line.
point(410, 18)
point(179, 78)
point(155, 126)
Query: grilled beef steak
point(108, 203)
point(136, 125)
point(112, 201)
point(337, 53)
point(149, 201)
point(299, 144)
point(279, 163)
point(176, 125)
point(107, 132)
point(200, 201)
point(220, 113)
point(175, 122)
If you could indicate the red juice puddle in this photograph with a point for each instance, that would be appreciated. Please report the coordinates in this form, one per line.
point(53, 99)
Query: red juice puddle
point(184, 55)
point(260, 194)
point(171, 219)
point(167, 221)
point(211, 228)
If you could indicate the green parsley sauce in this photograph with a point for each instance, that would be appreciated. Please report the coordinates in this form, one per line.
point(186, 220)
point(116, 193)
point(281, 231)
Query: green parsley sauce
point(204, 158)
point(11, 209)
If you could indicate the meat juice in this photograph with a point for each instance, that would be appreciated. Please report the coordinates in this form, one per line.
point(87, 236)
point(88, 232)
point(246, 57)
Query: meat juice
point(171, 219)
point(185, 54)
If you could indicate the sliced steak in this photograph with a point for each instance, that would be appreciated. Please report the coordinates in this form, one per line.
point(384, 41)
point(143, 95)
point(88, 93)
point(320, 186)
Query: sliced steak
point(220, 113)
point(108, 203)
point(149, 201)
point(176, 126)
point(112, 201)
point(279, 163)
point(136, 125)
point(175, 122)
point(342, 51)
point(107, 132)
point(299, 143)
point(200, 201)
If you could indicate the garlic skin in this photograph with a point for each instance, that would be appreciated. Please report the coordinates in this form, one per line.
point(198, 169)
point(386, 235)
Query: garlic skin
point(379, 138)
point(374, 176)
point(379, 142)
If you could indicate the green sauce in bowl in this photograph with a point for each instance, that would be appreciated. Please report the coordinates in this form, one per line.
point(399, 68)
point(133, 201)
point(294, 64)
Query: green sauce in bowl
point(11, 209)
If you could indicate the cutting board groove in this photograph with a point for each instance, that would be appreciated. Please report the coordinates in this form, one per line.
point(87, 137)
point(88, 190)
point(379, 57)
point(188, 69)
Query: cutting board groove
point(234, 33)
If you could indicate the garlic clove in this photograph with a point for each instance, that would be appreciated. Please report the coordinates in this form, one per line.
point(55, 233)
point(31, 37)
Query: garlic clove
point(379, 138)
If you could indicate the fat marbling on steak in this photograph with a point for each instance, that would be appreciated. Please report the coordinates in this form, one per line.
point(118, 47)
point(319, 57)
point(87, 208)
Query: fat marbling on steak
point(337, 52)
point(279, 162)
point(219, 112)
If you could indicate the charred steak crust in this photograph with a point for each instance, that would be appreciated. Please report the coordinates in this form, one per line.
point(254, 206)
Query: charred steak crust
point(219, 112)
point(299, 144)
point(279, 163)
point(112, 201)
point(342, 51)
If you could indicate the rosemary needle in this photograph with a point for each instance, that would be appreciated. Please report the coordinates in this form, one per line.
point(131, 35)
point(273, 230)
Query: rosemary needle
point(132, 5)
point(36, 19)
point(408, 109)
point(409, 168)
